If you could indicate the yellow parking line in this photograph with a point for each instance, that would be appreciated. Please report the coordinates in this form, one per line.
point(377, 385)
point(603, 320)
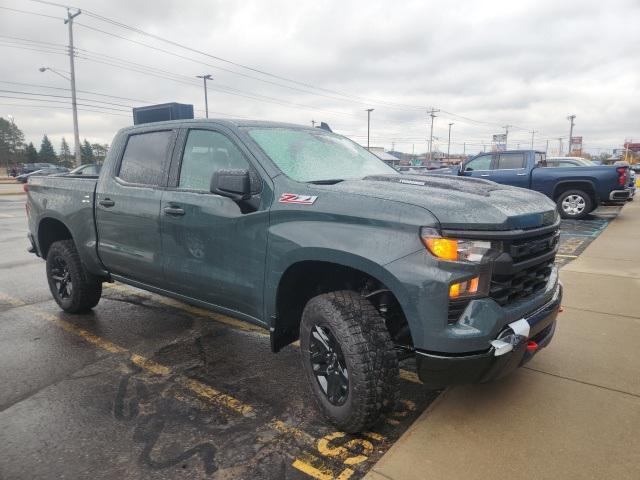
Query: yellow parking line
point(197, 387)
point(232, 322)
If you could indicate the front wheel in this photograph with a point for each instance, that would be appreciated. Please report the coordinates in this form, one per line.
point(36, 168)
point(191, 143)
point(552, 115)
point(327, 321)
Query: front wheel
point(349, 359)
point(574, 204)
point(72, 287)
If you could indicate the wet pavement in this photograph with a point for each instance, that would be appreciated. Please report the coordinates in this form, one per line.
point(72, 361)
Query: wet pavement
point(148, 387)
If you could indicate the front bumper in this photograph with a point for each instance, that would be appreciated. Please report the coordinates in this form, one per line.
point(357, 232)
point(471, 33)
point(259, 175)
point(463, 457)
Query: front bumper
point(437, 370)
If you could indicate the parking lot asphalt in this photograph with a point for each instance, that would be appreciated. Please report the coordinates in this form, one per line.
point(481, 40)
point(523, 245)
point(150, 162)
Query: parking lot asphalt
point(148, 387)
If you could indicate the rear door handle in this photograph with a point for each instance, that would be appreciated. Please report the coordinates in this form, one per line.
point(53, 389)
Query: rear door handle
point(177, 211)
point(521, 174)
point(107, 202)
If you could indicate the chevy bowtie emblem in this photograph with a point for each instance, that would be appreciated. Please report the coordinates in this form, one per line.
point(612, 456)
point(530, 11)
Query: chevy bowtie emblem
point(299, 199)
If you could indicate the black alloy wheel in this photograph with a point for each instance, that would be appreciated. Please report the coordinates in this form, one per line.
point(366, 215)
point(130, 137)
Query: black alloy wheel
point(329, 365)
point(61, 277)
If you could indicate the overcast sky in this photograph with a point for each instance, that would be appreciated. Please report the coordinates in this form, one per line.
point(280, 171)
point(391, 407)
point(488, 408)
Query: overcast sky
point(524, 63)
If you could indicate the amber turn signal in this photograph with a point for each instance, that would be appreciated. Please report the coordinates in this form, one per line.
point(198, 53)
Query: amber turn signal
point(444, 248)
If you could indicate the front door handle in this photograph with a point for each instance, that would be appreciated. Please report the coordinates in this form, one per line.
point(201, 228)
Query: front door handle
point(521, 174)
point(177, 211)
point(485, 175)
point(107, 202)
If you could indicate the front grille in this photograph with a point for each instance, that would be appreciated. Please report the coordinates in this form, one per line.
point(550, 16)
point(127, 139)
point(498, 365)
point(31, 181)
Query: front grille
point(522, 270)
point(528, 269)
point(506, 289)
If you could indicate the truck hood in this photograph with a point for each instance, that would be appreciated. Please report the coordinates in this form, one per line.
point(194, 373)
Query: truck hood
point(460, 202)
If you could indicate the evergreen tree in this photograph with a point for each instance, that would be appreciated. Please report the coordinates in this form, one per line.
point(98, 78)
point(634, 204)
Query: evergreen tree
point(47, 153)
point(65, 153)
point(11, 143)
point(31, 153)
point(87, 152)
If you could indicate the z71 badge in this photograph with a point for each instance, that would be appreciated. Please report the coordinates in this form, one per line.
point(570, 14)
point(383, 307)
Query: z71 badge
point(299, 199)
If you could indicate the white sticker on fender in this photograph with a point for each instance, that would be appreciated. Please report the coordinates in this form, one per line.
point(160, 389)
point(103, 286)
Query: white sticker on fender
point(299, 199)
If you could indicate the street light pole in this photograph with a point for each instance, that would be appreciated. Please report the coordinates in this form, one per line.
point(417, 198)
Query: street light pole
point(369, 110)
point(533, 132)
point(570, 118)
point(506, 136)
point(74, 105)
point(206, 100)
point(449, 141)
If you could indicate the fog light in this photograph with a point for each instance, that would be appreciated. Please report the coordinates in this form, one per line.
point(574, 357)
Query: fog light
point(470, 287)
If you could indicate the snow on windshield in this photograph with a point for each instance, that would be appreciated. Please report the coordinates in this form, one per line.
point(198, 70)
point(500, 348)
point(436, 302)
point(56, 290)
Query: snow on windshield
point(307, 155)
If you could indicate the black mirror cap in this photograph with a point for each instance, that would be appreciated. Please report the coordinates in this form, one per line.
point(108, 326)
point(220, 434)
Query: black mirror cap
point(235, 184)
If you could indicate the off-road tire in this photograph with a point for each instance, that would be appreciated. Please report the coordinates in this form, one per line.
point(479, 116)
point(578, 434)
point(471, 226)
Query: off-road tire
point(369, 354)
point(86, 289)
point(586, 198)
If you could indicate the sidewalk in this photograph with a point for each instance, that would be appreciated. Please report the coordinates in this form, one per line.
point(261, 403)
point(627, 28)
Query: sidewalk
point(573, 412)
point(11, 188)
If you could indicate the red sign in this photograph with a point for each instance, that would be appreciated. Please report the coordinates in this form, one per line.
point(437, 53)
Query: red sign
point(633, 147)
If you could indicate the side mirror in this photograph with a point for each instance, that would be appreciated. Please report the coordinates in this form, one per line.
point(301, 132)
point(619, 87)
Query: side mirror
point(235, 184)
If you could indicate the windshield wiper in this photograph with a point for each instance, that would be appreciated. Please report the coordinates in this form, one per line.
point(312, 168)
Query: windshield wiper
point(331, 181)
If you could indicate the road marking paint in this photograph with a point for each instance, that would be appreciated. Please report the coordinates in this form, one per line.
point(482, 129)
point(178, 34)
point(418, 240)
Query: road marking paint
point(232, 322)
point(345, 452)
point(314, 467)
point(409, 376)
point(202, 390)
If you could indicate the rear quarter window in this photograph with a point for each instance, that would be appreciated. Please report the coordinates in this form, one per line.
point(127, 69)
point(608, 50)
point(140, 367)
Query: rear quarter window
point(146, 157)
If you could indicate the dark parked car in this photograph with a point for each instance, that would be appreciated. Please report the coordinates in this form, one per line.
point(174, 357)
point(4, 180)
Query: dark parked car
point(41, 173)
point(311, 236)
point(32, 167)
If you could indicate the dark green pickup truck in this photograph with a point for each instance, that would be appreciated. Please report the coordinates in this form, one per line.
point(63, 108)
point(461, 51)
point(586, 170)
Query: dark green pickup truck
point(311, 236)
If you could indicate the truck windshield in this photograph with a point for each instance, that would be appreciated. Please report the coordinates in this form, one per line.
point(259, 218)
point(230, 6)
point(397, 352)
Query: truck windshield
point(317, 156)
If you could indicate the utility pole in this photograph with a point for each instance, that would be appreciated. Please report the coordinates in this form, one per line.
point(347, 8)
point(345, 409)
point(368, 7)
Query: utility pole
point(449, 141)
point(506, 135)
point(559, 146)
point(206, 100)
point(464, 149)
point(313, 123)
point(393, 146)
point(533, 133)
point(570, 118)
point(546, 150)
point(432, 114)
point(74, 105)
point(369, 110)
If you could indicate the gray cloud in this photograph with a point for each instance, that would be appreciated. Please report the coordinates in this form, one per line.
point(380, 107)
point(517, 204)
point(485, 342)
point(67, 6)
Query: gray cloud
point(527, 63)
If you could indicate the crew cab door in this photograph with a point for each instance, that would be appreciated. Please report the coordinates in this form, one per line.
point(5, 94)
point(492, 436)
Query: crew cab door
point(479, 167)
point(510, 168)
point(214, 247)
point(128, 207)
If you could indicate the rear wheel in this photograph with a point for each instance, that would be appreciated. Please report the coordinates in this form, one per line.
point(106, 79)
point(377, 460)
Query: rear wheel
point(349, 359)
point(574, 204)
point(72, 287)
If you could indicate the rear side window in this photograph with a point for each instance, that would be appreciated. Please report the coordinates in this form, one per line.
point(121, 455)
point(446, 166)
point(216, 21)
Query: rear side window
point(146, 157)
point(207, 152)
point(510, 161)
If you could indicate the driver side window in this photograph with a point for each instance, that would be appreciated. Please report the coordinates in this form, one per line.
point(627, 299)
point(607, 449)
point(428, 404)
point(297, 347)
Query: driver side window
point(206, 152)
point(483, 162)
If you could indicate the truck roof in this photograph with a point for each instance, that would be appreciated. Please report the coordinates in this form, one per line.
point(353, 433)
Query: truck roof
point(233, 123)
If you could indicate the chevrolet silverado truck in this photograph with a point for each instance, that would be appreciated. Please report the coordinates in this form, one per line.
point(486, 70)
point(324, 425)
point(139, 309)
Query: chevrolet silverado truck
point(577, 191)
point(312, 237)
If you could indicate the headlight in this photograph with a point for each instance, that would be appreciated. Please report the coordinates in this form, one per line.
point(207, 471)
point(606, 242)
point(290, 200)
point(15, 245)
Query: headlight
point(455, 250)
point(463, 250)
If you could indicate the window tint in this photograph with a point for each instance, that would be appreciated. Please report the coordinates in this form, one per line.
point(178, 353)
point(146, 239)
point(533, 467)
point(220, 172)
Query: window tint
point(483, 162)
point(145, 158)
point(511, 161)
point(205, 153)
